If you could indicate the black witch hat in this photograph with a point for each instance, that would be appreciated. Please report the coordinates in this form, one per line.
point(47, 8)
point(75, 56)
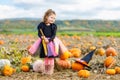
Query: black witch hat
point(86, 59)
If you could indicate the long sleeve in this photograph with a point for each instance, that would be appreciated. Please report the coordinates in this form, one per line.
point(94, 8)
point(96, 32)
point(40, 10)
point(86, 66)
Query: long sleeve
point(48, 31)
point(54, 30)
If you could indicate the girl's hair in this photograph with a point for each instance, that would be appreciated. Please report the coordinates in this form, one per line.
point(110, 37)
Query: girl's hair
point(47, 14)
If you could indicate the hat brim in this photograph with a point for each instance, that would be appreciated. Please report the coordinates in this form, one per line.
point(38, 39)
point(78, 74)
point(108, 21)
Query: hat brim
point(83, 63)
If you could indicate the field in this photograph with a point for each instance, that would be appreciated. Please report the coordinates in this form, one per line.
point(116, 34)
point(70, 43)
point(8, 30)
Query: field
point(14, 47)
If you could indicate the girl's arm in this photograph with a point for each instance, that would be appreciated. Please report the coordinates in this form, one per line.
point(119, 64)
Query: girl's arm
point(53, 33)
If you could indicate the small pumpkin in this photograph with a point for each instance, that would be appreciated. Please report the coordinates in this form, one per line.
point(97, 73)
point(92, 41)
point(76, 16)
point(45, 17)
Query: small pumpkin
point(65, 55)
point(99, 43)
point(76, 66)
point(25, 60)
point(1, 42)
point(75, 52)
point(25, 68)
point(110, 71)
point(64, 63)
point(109, 61)
point(117, 69)
point(110, 51)
point(84, 73)
point(92, 48)
point(100, 51)
point(7, 70)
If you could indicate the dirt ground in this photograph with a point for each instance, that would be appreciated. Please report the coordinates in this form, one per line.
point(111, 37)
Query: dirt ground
point(96, 73)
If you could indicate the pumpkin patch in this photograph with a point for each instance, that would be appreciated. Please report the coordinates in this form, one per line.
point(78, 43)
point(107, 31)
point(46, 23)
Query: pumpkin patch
point(15, 50)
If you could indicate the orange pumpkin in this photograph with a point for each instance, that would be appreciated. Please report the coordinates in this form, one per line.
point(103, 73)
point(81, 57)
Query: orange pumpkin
point(84, 73)
point(7, 70)
point(117, 69)
point(76, 66)
point(109, 61)
point(75, 52)
point(65, 55)
point(25, 60)
point(110, 71)
point(100, 51)
point(99, 43)
point(92, 48)
point(64, 63)
point(25, 68)
point(1, 42)
point(110, 51)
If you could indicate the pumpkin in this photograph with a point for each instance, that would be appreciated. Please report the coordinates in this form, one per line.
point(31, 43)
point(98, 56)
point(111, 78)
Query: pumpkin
point(75, 52)
point(25, 60)
point(100, 51)
point(65, 55)
point(76, 66)
point(99, 43)
point(3, 62)
point(109, 61)
point(1, 42)
point(25, 68)
point(84, 73)
point(64, 63)
point(7, 70)
point(117, 69)
point(92, 48)
point(110, 51)
point(110, 71)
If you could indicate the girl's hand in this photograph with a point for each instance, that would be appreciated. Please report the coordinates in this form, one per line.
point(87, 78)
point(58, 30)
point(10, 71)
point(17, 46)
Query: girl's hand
point(43, 37)
point(46, 40)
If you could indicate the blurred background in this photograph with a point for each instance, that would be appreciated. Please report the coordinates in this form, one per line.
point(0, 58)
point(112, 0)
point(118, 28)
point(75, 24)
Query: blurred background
point(22, 16)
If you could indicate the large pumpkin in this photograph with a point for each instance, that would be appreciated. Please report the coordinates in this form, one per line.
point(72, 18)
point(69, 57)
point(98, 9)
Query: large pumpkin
point(64, 63)
point(84, 73)
point(110, 51)
point(76, 66)
point(110, 71)
point(109, 61)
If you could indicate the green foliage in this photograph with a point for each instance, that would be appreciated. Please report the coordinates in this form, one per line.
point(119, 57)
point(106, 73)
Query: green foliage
point(13, 53)
point(30, 25)
point(115, 34)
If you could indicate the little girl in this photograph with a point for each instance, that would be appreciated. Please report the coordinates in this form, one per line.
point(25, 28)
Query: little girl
point(47, 32)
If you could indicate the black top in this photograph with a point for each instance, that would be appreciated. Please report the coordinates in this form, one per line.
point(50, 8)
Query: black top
point(49, 31)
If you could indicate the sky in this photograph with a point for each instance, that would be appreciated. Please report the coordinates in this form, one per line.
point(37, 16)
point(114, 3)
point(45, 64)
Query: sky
point(65, 9)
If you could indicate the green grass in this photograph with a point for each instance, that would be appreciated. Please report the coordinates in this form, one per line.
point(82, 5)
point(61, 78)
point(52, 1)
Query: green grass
point(115, 34)
point(70, 33)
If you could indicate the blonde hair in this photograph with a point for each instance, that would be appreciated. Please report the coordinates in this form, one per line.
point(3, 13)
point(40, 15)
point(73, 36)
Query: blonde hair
point(47, 14)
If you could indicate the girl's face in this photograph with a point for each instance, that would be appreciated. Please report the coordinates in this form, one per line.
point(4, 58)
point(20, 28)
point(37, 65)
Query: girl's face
point(51, 18)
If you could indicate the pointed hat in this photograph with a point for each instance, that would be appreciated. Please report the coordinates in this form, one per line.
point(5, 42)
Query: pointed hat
point(86, 59)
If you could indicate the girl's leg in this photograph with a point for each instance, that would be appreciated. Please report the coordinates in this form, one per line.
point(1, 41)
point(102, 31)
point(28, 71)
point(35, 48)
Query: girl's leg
point(49, 65)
